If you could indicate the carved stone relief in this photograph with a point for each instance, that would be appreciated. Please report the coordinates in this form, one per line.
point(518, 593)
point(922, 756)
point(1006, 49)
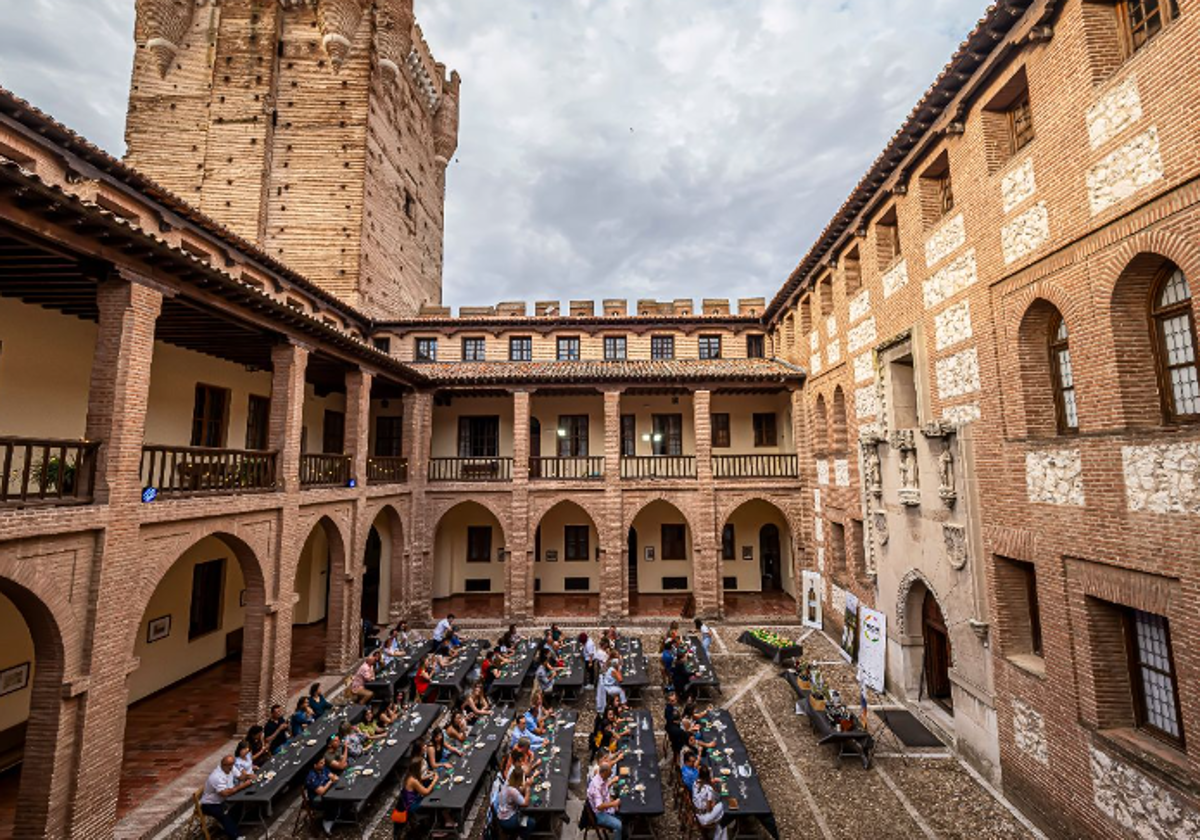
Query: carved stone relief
point(955, 537)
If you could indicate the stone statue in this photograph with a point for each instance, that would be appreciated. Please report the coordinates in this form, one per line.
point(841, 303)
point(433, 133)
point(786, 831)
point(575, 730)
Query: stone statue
point(946, 471)
point(873, 469)
point(908, 468)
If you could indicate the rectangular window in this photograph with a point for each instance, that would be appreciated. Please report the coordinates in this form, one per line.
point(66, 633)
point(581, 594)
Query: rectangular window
point(1152, 667)
point(1020, 617)
point(728, 543)
point(479, 544)
point(614, 347)
point(573, 436)
point(575, 542)
point(1020, 123)
point(426, 350)
point(662, 347)
point(628, 435)
point(474, 350)
point(764, 430)
point(258, 416)
point(389, 436)
point(710, 347)
point(668, 434)
point(333, 438)
point(208, 580)
point(1141, 20)
point(209, 414)
point(937, 193)
point(755, 347)
point(720, 431)
point(568, 349)
point(383, 345)
point(520, 349)
point(674, 542)
point(478, 437)
point(887, 239)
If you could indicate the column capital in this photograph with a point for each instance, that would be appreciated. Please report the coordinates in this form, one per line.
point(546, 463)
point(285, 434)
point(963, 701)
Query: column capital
point(130, 276)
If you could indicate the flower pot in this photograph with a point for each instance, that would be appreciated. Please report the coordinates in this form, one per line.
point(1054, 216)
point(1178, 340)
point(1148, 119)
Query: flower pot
point(805, 685)
point(816, 702)
point(846, 724)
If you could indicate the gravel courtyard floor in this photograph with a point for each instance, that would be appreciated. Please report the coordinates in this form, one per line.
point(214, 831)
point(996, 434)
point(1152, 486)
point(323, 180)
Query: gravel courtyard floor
point(924, 793)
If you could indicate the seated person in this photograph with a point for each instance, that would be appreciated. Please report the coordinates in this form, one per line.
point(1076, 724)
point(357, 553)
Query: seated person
point(275, 730)
point(556, 633)
point(446, 654)
point(243, 762)
point(710, 810)
point(320, 781)
point(352, 738)
point(369, 727)
point(317, 703)
point(546, 672)
point(604, 803)
point(417, 785)
point(477, 704)
point(531, 762)
point(444, 632)
point(423, 680)
point(406, 636)
point(438, 752)
point(220, 785)
point(681, 676)
point(668, 656)
point(690, 769)
point(302, 717)
point(365, 674)
point(391, 647)
point(522, 730)
point(337, 754)
point(389, 714)
point(513, 797)
point(458, 729)
point(487, 670)
point(260, 750)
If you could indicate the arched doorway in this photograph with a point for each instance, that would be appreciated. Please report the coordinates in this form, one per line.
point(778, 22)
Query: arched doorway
point(199, 643)
point(566, 562)
point(757, 574)
point(660, 561)
point(383, 585)
point(319, 618)
point(468, 562)
point(32, 657)
point(369, 602)
point(936, 639)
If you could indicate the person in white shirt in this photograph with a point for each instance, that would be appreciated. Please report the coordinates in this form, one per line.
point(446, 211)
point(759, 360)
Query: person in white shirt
point(513, 797)
point(243, 763)
point(601, 665)
point(709, 808)
point(610, 684)
point(706, 635)
point(406, 636)
point(220, 785)
point(604, 804)
point(444, 630)
point(589, 659)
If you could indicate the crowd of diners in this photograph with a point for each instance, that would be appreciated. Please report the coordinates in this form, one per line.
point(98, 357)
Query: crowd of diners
point(520, 765)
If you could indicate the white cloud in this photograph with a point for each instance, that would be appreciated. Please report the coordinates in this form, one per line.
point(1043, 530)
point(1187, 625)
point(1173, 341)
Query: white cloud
point(608, 147)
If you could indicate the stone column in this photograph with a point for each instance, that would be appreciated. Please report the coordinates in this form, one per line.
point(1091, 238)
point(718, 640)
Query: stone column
point(418, 581)
point(518, 589)
point(288, 363)
point(357, 446)
point(614, 583)
point(358, 423)
point(120, 385)
point(706, 574)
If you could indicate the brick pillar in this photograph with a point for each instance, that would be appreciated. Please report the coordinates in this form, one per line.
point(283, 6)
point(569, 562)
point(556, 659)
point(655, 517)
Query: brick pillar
point(418, 431)
point(706, 574)
point(117, 401)
point(800, 556)
point(288, 363)
point(358, 422)
point(614, 543)
point(518, 590)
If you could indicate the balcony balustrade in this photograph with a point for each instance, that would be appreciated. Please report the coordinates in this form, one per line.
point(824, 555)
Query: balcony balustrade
point(755, 466)
point(387, 470)
point(470, 469)
point(46, 472)
point(193, 470)
point(589, 468)
point(659, 466)
point(324, 470)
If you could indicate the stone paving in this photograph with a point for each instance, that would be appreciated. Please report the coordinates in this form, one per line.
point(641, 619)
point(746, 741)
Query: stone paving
point(927, 793)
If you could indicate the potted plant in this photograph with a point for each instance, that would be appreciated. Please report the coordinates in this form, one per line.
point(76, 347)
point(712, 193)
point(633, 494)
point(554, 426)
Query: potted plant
point(817, 695)
point(804, 676)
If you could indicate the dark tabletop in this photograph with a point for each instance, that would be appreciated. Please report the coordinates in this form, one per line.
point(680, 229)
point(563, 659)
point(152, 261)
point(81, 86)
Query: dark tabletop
point(700, 666)
point(574, 672)
point(513, 675)
point(556, 754)
point(633, 663)
point(401, 668)
point(643, 770)
point(455, 677)
point(775, 652)
point(486, 738)
point(374, 767)
point(294, 760)
point(742, 783)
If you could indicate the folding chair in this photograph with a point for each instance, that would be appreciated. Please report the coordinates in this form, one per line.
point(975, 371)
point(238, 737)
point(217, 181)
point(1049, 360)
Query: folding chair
point(199, 818)
point(306, 816)
point(587, 821)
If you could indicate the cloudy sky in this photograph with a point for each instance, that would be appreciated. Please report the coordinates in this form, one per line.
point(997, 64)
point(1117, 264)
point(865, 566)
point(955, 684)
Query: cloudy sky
point(608, 148)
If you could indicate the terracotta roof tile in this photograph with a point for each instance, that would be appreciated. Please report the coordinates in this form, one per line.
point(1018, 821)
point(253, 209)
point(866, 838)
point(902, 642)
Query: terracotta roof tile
point(594, 371)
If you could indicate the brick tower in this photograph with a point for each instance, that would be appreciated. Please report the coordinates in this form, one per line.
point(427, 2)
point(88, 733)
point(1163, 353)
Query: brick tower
point(318, 129)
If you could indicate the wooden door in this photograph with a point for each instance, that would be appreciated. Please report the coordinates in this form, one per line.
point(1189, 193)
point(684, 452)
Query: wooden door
point(633, 561)
point(937, 651)
point(370, 587)
point(769, 557)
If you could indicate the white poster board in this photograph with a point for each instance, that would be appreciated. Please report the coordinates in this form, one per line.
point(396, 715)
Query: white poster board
point(872, 647)
point(813, 595)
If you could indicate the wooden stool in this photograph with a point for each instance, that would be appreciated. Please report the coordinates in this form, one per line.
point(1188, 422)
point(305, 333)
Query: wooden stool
point(199, 818)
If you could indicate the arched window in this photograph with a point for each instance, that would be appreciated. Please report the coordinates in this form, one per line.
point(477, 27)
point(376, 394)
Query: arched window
point(1175, 346)
point(1063, 380)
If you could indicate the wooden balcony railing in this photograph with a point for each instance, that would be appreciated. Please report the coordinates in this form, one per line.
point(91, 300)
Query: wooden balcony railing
point(46, 472)
point(588, 467)
point(193, 470)
point(387, 470)
point(324, 470)
point(470, 469)
point(659, 466)
point(755, 466)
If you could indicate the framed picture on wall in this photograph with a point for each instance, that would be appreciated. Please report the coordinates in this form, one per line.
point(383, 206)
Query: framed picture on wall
point(552, 555)
point(158, 628)
point(14, 679)
point(747, 552)
point(649, 554)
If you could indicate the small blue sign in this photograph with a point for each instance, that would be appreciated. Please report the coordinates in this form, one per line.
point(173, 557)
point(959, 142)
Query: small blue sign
point(352, 482)
point(149, 494)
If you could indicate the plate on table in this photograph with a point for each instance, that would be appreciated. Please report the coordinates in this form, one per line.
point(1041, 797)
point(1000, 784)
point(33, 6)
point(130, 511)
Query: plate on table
point(725, 771)
point(391, 742)
point(731, 804)
point(639, 787)
point(458, 779)
point(270, 775)
point(367, 771)
point(311, 742)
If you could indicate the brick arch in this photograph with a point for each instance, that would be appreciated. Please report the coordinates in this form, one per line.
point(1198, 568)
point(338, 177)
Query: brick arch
point(538, 509)
point(397, 583)
point(438, 513)
point(727, 507)
point(1036, 372)
point(645, 501)
point(341, 625)
point(41, 801)
point(254, 574)
point(903, 594)
point(1177, 248)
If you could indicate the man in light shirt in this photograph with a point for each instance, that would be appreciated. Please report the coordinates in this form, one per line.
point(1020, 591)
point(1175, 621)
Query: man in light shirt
point(220, 785)
point(444, 632)
point(604, 805)
point(364, 675)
